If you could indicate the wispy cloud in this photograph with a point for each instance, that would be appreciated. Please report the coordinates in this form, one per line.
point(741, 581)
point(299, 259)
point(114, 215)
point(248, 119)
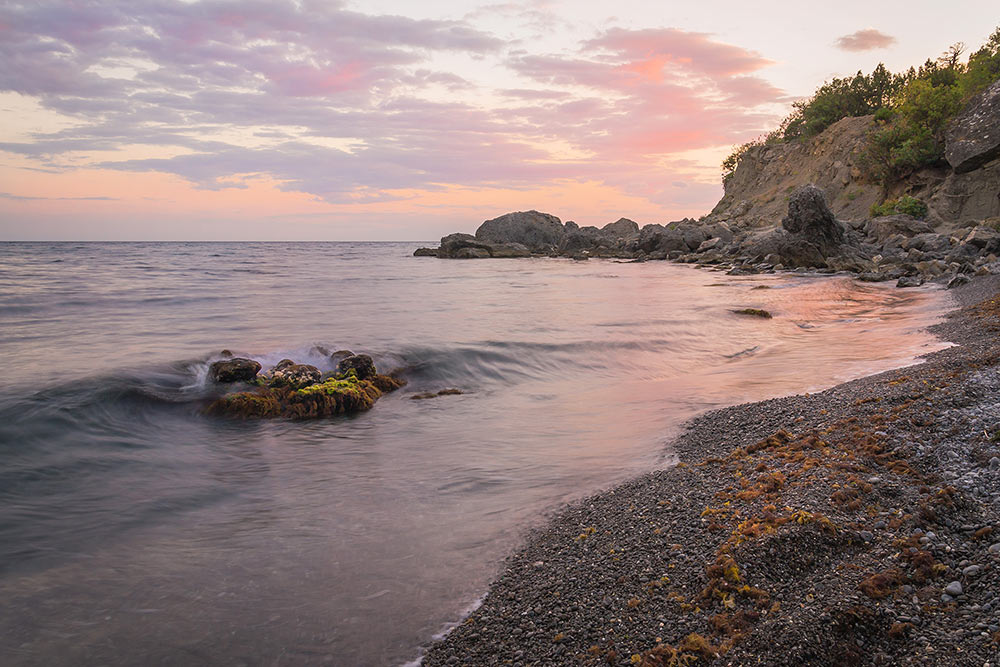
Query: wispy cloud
point(352, 107)
point(868, 39)
point(7, 195)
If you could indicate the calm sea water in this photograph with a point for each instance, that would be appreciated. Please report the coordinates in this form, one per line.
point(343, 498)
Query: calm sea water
point(133, 530)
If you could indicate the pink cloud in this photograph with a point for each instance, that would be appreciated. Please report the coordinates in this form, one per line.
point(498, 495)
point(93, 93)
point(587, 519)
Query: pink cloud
point(692, 51)
point(627, 101)
point(865, 40)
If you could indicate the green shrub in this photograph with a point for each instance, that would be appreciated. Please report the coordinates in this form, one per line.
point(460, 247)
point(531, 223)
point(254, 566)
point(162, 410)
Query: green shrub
point(905, 205)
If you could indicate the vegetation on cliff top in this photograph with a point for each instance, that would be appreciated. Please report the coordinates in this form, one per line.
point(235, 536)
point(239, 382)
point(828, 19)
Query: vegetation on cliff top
point(912, 110)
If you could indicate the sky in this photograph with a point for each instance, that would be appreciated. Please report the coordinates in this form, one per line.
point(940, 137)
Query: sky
point(402, 120)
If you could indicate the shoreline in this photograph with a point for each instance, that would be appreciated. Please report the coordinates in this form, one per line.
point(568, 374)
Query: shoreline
point(850, 526)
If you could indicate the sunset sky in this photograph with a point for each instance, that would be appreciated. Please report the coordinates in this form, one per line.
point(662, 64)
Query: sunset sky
point(402, 120)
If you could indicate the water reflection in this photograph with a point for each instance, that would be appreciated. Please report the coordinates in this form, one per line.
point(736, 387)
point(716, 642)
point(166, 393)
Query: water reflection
point(132, 530)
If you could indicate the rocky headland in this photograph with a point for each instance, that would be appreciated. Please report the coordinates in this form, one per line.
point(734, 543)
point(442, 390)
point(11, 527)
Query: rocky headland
point(804, 206)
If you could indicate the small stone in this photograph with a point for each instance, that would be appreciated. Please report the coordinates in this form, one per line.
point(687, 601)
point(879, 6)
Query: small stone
point(953, 589)
point(971, 571)
point(866, 536)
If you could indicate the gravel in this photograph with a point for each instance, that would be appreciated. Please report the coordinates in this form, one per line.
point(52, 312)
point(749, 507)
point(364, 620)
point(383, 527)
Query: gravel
point(857, 526)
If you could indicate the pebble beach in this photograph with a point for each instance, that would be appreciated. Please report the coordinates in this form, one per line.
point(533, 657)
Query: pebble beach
point(857, 526)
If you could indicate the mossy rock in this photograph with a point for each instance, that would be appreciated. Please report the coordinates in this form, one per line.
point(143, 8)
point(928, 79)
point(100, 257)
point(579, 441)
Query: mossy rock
point(336, 396)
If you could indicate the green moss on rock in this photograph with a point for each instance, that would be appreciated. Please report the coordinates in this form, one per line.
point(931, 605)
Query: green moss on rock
point(335, 396)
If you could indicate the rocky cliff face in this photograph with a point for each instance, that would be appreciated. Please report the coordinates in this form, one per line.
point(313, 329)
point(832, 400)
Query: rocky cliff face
point(757, 194)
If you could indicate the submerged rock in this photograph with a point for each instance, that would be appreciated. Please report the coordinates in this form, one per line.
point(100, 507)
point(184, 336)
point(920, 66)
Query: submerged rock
point(910, 281)
point(340, 355)
point(430, 394)
point(237, 369)
point(336, 396)
point(754, 312)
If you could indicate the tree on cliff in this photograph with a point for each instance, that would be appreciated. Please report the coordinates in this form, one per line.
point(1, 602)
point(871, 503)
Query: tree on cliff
point(911, 110)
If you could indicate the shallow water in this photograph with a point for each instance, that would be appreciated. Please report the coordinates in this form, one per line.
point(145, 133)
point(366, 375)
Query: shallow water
point(135, 530)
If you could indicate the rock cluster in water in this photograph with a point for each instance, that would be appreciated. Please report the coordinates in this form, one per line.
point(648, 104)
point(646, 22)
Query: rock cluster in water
point(298, 391)
point(745, 236)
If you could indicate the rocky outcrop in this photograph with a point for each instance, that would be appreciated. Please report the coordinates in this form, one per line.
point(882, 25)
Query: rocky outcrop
point(757, 194)
point(539, 232)
point(297, 391)
point(973, 138)
point(467, 246)
point(236, 369)
point(810, 218)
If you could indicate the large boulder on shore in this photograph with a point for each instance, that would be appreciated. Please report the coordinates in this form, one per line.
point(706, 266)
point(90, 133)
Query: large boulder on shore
point(792, 249)
point(810, 219)
point(458, 245)
point(236, 369)
point(539, 232)
point(656, 238)
point(467, 246)
point(973, 137)
point(621, 228)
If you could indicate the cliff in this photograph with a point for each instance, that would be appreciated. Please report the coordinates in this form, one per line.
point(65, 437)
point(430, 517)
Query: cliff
point(756, 194)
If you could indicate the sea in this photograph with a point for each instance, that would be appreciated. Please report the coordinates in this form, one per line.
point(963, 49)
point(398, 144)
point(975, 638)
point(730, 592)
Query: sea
point(134, 529)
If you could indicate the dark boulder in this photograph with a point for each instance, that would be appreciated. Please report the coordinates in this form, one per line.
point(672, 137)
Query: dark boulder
point(959, 280)
point(983, 238)
point(471, 253)
point(973, 137)
point(463, 246)
point(236, 369)
point(811, 219)
point(929, 243)
point(621, 228)
point(883, 228)
point(508, 250)
point(791, 249)
point(287, 373)
point(910, 281)
point(579, 240)
point(657, 238)
point(538, 231)
point(361, 364)
point(425, 252)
